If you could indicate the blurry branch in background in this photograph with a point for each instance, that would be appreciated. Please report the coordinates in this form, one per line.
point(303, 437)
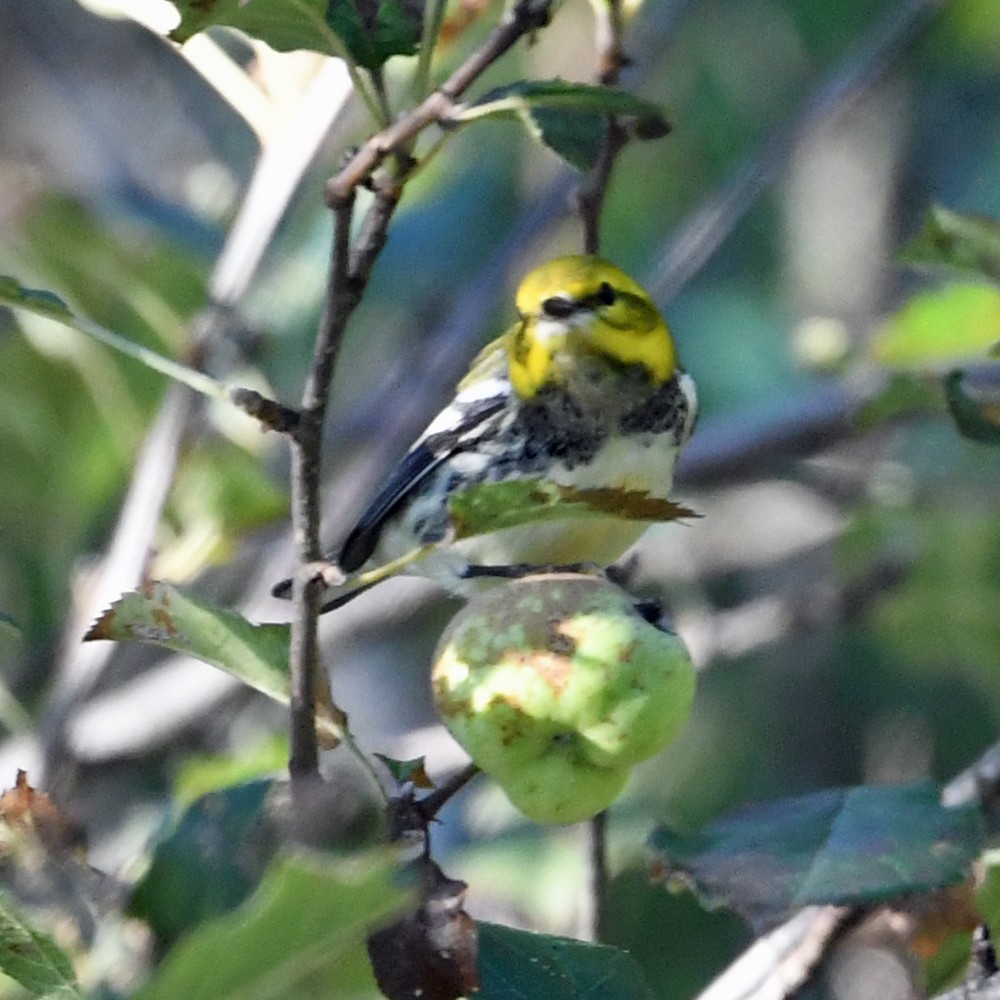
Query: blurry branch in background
point(689, 248)
point(283, 161)
point(783, 960)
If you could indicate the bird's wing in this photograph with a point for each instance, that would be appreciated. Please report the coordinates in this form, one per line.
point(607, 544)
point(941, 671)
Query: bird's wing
point(455, 429)
point(489, 363)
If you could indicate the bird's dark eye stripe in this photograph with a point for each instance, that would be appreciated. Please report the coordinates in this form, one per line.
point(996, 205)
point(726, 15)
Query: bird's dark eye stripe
point(606, 295)
point(558, 306)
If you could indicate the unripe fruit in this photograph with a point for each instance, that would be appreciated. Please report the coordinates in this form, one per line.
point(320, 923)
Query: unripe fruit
point(557, 686)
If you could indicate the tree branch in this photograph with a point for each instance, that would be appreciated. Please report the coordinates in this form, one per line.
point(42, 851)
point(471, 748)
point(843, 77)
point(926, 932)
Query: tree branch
point(526, 16)
point(594, 188)
point(341, 297)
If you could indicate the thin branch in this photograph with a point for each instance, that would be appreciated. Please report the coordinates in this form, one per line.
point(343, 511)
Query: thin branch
point(526, 16)
point(430, 805)
point(350, 269)
point(598, 831)
point(594, 188)
point(276, 175)
point(305, 479)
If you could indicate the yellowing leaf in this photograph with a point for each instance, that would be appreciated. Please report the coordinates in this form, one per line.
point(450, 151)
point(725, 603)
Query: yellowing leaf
point(493, 506)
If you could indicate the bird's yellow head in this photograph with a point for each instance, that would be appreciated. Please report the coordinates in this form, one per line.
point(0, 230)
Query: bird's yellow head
point(583, 305)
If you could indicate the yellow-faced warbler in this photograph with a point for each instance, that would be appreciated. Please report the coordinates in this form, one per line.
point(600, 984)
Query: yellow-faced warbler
point(584, 391)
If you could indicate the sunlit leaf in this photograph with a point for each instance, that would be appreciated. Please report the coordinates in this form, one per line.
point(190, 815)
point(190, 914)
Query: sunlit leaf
point(969, 243)
point(32, 958)
point(491, 506)
point(853, 846)
point(516, 964)
point(939, 329)
point(302, 934)
point(163, 616)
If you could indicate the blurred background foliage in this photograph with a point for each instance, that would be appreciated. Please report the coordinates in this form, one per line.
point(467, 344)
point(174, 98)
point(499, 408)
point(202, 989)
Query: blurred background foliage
point(841, 592)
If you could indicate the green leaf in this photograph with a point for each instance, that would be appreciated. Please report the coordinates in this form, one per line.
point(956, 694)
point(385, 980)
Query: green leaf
point(257, 655)
point(221, 489)
point(570, 118)
point(407, 770)
point(974, 421)
point(854, 846)
point(516, 964)
point(195, 873)
point(491, 506)
point(577, 138)
point(284, 24)
point(33, 959)
point(366, 32)
point(164, 616)
point(968, 243)
point(199, 775)
point(375, 30)
point(302, 934)
point(938, 329)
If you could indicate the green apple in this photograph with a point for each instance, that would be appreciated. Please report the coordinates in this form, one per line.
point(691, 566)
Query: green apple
point(557, 686)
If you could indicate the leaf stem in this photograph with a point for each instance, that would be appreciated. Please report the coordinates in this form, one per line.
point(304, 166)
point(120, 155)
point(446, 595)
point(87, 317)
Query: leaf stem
point(191, 377)
point(433, 16)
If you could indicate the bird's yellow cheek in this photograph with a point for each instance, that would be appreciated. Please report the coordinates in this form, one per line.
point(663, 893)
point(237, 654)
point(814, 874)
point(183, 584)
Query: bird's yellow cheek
point(531, 364)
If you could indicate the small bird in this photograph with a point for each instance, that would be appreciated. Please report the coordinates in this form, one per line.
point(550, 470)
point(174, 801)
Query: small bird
point(585, 391)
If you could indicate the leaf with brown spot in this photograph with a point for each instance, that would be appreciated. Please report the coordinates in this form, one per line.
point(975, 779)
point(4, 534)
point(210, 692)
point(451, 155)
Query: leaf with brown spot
point(257, 655)
point(491, 507)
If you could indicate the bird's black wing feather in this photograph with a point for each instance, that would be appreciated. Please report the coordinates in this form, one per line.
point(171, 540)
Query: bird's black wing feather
point(422, 459)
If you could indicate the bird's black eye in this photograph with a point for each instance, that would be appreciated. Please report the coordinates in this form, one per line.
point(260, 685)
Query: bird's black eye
point(558, 306)
point(606, 295)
